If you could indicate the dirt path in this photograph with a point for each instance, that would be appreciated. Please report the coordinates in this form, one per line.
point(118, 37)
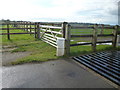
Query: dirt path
point(8, 57)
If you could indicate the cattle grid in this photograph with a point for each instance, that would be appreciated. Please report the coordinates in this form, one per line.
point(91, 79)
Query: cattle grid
point(105, 63)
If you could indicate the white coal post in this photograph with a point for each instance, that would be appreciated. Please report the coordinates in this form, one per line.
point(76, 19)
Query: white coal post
point(60, 46)
point(118, 40)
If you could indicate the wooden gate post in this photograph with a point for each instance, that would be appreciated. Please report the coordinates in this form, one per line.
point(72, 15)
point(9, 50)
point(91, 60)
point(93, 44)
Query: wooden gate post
point(94, 38)
point(8, 32)
point(115, 33)
point(63, 29)
point(67, 39)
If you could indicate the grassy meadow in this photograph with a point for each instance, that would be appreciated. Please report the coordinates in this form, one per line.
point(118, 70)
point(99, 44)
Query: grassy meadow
point(41, 51)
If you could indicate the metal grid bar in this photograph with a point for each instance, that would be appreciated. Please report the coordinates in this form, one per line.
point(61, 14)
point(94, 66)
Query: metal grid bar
point(106, 64)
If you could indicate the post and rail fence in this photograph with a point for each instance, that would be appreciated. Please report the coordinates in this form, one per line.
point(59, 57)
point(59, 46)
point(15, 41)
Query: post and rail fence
point(115, 36)
point(59, 34)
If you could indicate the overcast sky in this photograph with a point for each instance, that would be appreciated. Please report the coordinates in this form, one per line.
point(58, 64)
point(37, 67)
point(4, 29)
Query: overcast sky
point(92, 11)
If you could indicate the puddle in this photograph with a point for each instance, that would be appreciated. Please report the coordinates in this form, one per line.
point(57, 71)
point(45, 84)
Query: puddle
point(97, 44)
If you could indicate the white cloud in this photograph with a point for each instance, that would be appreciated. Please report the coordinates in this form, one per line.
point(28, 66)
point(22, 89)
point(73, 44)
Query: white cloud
point(60, 10)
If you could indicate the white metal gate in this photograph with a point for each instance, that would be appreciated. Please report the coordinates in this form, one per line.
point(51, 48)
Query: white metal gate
point(53, 36)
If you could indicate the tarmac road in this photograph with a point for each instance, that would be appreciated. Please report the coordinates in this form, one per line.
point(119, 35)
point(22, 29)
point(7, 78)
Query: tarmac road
point(51, 74)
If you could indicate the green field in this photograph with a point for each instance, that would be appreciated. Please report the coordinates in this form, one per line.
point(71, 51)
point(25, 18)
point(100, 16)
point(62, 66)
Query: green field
point(41, 51)
point(89, 31)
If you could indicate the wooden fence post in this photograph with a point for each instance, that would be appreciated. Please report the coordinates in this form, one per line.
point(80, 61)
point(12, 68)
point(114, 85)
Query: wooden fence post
point(19, 24)
point(63, 29)
point(102, 28)
point(16, 24)
point(8, 32)
point(35, 29)
point(67, 39)
point(118, 40)
point(27, 26)
point(115, 33)
point(24, 25)
point(30, 28)
point(94, 38)
point(38, 31)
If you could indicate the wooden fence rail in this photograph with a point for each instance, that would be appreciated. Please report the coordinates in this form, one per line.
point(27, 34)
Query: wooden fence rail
point(99, 35)
point(16, 28)
point(95, 35)
point(16, 33)
point(26, 26)
point(52, 33)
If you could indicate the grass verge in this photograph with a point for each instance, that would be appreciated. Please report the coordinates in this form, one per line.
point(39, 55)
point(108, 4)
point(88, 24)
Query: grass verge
point(82, 50)
point(40, 52)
